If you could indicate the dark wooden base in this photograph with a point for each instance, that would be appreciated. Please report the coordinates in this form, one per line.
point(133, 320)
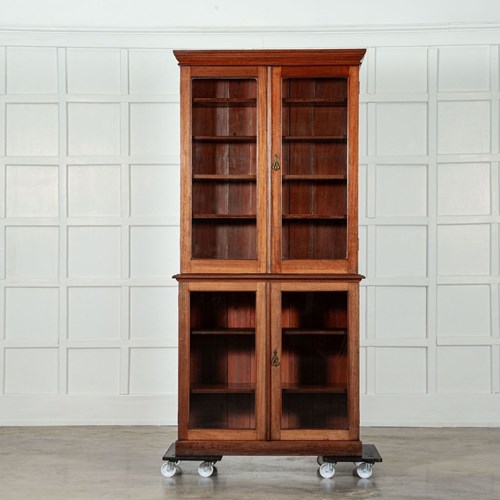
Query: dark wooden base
point(172, 455)
point(327, 448)
point(368, 454)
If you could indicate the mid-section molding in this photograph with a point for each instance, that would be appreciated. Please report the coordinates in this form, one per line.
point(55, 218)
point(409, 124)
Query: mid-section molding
point(354, 278)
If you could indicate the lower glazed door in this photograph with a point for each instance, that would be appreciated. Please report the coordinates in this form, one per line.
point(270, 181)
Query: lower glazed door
point(314, 362)
point(222, 351)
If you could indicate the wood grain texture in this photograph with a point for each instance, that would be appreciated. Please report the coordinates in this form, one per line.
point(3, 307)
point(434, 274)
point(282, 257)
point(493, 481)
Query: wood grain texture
point(353, 348)
point(275, 371)
point(204, 71)
point(220, 435)
point(276, 152)
point(352, 230)
point(186, 173)
point(305, 71)
point(208, 266)
point(262, 171)
point(296, 447)
point(315, 435)
point(262, 386)
point(184, 359)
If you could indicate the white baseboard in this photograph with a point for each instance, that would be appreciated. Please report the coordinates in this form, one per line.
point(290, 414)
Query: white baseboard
point(384, 410)
point(432, 410)
point(46, 409)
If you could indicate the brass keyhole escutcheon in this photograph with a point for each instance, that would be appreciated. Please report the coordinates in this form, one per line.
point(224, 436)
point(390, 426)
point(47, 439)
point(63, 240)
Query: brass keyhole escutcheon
point(275, 360)
point(276, 163)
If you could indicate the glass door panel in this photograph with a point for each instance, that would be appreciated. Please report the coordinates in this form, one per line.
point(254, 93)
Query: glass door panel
point(224, 168)
point(222, 358)
point(314, 168)
point(314, 360)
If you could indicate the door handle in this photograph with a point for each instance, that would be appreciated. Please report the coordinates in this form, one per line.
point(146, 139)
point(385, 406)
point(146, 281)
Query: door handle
point(275, 360)
point(276, 163)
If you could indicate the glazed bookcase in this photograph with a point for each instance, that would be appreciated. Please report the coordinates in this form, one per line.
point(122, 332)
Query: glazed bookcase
point(268, 289)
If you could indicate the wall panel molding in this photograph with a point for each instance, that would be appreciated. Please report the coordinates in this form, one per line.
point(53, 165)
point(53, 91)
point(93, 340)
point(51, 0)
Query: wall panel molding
point(89, 176)
point(240, 37)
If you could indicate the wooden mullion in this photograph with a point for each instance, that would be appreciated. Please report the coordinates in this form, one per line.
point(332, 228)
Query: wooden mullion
point(261, 394)
point(263, 189)
point(276, 385)
point(276, 195)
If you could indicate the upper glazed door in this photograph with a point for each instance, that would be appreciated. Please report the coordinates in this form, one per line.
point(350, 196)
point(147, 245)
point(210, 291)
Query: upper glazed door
point(314, 172)
point(269, 161)
point(223, 155)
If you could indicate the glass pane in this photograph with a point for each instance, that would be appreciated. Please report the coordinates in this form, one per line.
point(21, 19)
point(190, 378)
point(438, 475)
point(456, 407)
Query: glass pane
point(314, 168)
point(224, 160)
point(223, 371)
point(314, 367)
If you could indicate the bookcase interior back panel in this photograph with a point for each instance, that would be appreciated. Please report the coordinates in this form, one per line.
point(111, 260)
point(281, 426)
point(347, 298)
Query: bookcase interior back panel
point(223, 372)
point(314, 371)
point(314, 148)
point(224, 168)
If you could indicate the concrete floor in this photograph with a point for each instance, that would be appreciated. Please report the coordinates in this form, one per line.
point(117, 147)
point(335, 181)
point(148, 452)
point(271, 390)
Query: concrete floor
point(124, 463)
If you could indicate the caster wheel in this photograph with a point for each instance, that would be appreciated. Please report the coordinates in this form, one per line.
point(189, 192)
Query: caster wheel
point(326, 470)
point(320, 460)
point(168, 469)
point(364, 470)
point(206, 469)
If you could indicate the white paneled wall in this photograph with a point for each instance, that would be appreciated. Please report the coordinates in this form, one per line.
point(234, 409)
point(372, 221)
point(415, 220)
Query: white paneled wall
point(89, 231)
point(90, 168)
point(430, 234)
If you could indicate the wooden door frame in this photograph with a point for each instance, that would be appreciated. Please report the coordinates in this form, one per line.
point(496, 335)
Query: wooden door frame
point(261, 391)
point(306, 266)
point(352, 433)
point(188, 264)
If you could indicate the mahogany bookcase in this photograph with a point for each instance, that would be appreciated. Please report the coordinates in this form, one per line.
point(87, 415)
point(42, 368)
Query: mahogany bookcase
point(269, 287)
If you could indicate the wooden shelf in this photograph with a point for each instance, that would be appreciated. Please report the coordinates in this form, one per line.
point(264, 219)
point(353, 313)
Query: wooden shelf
point(312, 177)
point(314, 389)
point(224, 177)
point(314, 138)
point(224, 331)
point(313, 217)
point(309, 331)
point(314, 101)
point(225, 138)
point(223, 389)
point(225, 216)
point(224, 101)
